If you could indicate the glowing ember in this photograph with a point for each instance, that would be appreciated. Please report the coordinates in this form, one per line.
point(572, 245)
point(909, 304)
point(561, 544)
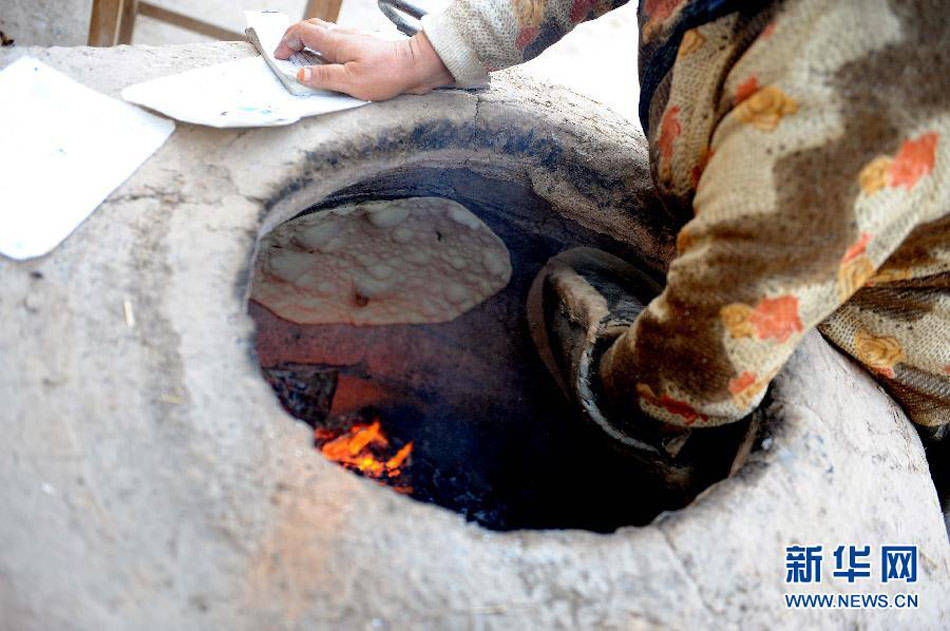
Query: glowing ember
point(364, 448)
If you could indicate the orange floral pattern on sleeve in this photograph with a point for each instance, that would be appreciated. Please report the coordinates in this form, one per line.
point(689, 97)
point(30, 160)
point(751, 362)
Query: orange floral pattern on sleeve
point(873, 176)
point(693, 40)
point(879, 353)
point(745, 388)
point(684, 240)
point(889, 276)
point(772, 318)
point(764, 109)
point(671, 405)
point(701, 165)
point(855, 269)
point(856, 249)
point(746, 89)
point(914, 160)
point(670, 130)
point(657, 12)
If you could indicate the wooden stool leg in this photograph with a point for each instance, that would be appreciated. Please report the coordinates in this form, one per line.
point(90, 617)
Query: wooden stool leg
point(130, 9)
point(104, 22)
point(327, 10)
point(186, 22)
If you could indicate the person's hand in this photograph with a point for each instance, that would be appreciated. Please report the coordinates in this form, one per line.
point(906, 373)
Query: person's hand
point(362, 65)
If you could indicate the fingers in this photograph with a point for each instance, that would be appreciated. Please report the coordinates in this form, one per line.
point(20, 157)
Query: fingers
point(315, 34)
point(331, 26)
point(364, 66)
point(328, 77)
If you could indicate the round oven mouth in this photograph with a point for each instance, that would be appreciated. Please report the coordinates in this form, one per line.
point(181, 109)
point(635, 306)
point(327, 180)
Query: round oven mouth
point(452, 405)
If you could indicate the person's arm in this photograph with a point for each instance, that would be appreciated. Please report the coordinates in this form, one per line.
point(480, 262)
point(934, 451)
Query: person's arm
point(802, 201)
point(460, 45)
point(475, 37)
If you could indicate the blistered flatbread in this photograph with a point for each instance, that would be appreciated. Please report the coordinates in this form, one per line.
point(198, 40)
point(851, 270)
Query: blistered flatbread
point(404, 261)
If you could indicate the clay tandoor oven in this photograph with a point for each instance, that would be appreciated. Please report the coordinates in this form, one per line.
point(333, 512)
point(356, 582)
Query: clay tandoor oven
point(151, 479)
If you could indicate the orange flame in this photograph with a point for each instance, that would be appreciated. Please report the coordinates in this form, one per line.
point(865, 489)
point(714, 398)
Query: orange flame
point(359, 448)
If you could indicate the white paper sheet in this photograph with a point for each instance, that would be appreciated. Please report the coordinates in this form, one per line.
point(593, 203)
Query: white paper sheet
point(65, 148)
point(242, 93)
point(265, 29)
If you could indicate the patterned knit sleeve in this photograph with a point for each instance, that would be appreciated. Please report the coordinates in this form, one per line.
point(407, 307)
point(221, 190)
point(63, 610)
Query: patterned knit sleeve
point(475, 37)
point(759, 268)
point(812, 180)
